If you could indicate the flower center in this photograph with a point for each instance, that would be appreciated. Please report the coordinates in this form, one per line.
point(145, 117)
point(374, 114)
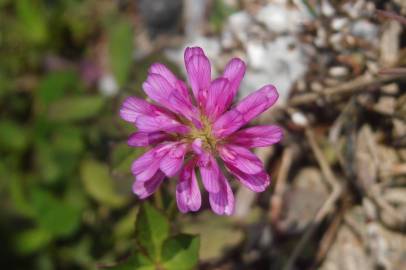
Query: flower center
point(205, 134)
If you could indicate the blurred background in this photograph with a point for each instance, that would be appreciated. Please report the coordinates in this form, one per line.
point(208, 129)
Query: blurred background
point(338, 196)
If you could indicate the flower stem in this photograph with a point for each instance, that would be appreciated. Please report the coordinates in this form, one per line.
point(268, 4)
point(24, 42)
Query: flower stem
point(158, 199)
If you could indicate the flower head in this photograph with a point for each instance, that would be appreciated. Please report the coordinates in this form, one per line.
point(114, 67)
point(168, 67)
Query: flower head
point(195, 133)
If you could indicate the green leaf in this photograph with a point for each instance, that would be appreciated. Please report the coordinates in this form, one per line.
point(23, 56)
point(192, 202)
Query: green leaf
point(135, 262)
point(181, 252)
point(32, 19)
point(56, 84)
point(19, 198)
point(4, 2)
point(47, 165)
point(151, 230)
point(32, 240)
point(120, 45)
point(220, 12)
point(54, 215)
point(12, 136)
point(124, 228)
point(99, 185)
point(68, 139)
point(123, 157)
point(75, 108)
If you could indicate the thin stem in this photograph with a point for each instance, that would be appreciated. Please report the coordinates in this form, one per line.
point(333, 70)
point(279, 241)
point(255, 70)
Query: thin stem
point(158, 199)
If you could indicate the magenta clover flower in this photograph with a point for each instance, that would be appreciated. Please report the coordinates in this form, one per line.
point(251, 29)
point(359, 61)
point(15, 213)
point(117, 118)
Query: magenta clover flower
point(199, 131)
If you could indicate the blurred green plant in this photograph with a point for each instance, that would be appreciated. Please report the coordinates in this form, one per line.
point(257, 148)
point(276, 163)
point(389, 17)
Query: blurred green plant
point(156, 249)
point(65, 175)
point(120, 49)
point(219, 14)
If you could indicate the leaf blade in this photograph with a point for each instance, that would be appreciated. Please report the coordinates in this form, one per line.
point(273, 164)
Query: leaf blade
point(181, 252)
point(151, 230)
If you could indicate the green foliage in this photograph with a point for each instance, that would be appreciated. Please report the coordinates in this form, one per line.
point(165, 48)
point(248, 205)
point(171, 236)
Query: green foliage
point(98, 183)
point(13, 137)
point(180, 252)
point(156, 249)
point(56, 84)
point(219, 14)
point(121, 49)
point(65, 178)
point(78, 108)
point(32, 240)
point(55, 216)
point(32, 19)
point(151, 230)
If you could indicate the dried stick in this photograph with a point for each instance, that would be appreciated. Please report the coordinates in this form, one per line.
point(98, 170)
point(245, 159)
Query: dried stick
point(357, 85)
point(393, 71)
point(391, 15)
point(326, 207)
point(280, 186)
point(328, 239)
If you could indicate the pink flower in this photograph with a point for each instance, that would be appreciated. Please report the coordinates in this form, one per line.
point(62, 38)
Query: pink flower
point(198, 132)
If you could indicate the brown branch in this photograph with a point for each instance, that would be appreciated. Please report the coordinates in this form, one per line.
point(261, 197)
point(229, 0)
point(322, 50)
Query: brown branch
point(280, 186)
point(391, 15)
point(352, 87)
point(328, 205)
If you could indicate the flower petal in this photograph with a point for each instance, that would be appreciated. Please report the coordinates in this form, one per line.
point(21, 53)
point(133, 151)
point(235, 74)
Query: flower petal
point(191, 51)
point(257, 136)
point(144, 189)
point(141, 138)
point(160, 123)
point(172, 162)
point(158, 89)
point(249, 108)
point(234, 72)
point(256, 182)
point(217, 98)
point(145, 166)
point(148, 164)
point(161, 69)
point(240, 158)
point(228, 123)
point(258, 102)
point(188, 195)
point(175, 83)
point(133, 107)
point(209, 171)
point(199, 73)
point(183, 106)
point(222, 202)
point(183, 90)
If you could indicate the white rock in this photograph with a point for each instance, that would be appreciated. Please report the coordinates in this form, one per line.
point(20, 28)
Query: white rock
point(389, 43)
point(257, 55)
point(336, 40)
point(321, 37)
point(239, 24)
point(365, 29)
point(316, 86)
point(227, 40)
point(275, 63)
point(280, 18)
point(299, 119)
point(354, 10)
point(339, 23)
point(194, 15)
point(338, 71)
point(327, 9)
point(108, 85)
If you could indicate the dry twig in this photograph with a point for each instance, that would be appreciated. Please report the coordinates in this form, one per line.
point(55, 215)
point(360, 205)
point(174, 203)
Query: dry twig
point(280, 186)
point(352, 87)
point(326, 207)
